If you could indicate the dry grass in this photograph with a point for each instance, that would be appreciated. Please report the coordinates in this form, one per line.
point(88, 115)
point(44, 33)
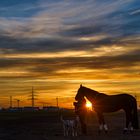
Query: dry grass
point(47, 126)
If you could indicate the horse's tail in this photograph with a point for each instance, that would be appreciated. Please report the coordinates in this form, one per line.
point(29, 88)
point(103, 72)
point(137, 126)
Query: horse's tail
point(135, 120)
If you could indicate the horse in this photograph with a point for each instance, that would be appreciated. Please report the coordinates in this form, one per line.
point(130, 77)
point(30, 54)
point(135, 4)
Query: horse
point(103, 103)
point(81, 111)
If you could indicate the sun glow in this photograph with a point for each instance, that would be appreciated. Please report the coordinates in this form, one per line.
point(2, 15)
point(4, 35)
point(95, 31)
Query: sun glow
point(89, 105)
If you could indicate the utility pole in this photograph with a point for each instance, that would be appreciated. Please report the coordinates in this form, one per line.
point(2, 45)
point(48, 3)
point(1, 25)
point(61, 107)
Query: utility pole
point(58, 111)
point(57, 102)
point(32, 98)
point(17, 102)
point(11, 105)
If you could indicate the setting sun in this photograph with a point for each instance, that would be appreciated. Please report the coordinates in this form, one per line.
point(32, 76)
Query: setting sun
point(88, 104)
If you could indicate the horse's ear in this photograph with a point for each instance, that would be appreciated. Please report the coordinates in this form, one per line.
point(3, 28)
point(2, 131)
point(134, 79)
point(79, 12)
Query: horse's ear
point(81, 85)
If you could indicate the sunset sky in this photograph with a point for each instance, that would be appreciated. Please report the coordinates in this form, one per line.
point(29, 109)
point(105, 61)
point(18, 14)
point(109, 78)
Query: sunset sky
point(56, 45)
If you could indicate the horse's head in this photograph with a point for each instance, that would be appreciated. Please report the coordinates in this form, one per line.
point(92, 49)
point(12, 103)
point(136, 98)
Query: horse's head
point(80, 93)
point(80, 106)
point(88, 93)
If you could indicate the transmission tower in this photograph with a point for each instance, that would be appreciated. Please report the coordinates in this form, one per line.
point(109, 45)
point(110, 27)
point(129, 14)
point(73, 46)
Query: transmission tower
point(32, 98)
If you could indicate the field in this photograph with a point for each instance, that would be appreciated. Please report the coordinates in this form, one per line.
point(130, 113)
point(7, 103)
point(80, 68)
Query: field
point(43, 125)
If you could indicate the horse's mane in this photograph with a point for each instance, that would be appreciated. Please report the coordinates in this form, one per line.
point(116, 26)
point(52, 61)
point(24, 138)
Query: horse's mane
point(93, 91)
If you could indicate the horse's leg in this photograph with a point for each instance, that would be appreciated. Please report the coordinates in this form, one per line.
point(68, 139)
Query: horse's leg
point(100, 120)
point(83, 124)
point(102, 124)
point(128, 120)
point(131, 123)
point(84, 128)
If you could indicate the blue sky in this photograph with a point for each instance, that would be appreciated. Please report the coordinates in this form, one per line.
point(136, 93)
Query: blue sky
point(93, 41)
point(67, 19)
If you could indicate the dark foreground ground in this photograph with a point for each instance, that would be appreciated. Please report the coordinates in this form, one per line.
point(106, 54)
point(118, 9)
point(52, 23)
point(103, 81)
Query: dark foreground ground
point(47, 126)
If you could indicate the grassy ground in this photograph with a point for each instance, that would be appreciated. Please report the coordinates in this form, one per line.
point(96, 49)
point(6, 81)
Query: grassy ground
point(47, 126)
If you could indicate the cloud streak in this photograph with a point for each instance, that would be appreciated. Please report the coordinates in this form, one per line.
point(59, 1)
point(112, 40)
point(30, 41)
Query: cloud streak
point(42, 41)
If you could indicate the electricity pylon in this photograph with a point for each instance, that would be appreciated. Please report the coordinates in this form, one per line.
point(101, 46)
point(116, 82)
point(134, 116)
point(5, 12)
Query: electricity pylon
point(32, 98)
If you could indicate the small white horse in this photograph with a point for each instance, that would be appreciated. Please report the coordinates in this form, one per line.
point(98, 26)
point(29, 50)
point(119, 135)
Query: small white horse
point(70, 126)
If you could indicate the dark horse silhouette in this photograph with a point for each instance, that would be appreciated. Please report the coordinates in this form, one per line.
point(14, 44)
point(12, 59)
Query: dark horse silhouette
point(103, 103)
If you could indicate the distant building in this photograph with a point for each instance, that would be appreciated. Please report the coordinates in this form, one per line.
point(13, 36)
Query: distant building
point(14, 109)
point(50, 108)
point(28, 108)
